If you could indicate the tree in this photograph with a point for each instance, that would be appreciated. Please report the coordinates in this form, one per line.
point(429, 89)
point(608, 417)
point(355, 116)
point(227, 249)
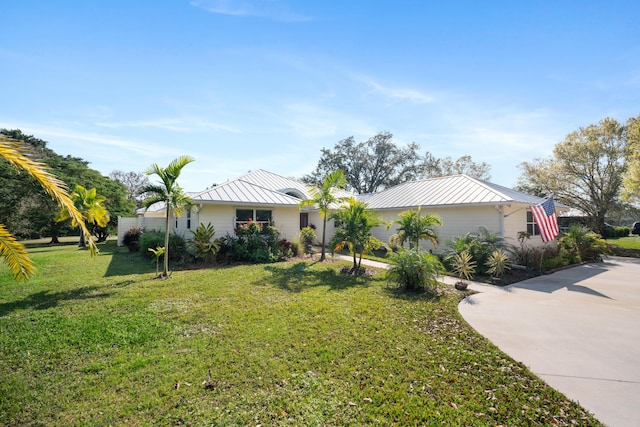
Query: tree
point(464, 165)
point(30, 212)
point(134, 182)
point(370, 165)
point(91, 206)
point(324, 196)
point(170, 193)
point(412, 227)
point(585, 171)
point(13, 253)
point(379, 163)
point(355, 222)
point(632, 179)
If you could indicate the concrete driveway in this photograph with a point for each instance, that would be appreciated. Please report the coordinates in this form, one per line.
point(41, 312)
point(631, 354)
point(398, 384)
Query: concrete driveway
point(577, 329)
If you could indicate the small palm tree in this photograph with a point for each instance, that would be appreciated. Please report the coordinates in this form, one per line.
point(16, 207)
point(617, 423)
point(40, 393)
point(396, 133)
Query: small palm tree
point(90, 205)
point(354, 230)
point(412, 227)
point(168, 192)
point(13, 253)
point(324, 196)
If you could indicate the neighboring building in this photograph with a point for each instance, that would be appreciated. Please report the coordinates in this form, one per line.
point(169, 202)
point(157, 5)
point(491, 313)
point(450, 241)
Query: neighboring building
point(463, 203)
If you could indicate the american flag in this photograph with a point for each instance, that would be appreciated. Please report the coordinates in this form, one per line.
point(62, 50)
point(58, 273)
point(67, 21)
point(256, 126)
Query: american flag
point(545, 216)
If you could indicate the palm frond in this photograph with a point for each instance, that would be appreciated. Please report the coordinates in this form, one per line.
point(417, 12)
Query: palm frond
point(11, 151)
point(15, 255)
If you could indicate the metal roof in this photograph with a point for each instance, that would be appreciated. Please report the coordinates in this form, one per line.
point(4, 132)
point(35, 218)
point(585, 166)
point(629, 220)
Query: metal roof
point(454, 190)
point(277, 183)
point(240, 191)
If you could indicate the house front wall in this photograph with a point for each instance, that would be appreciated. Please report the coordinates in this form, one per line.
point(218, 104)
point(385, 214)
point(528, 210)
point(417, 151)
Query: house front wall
point(456, 221)
point(222, 217)
point(515, 221)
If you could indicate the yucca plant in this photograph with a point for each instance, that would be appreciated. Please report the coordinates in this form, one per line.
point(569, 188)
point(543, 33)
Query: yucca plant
point(463, 265)
point(498, 263)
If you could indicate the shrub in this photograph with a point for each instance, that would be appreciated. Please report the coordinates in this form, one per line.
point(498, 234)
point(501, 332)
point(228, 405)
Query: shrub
point(254, 243)
point(498, 263)
point(581, 244)
point(415, 270)
point(154, 239)
point(610, 232)
point(131, 239)
point(463, 265)
point(307, 236)
point(479, 245)
point(201, 245)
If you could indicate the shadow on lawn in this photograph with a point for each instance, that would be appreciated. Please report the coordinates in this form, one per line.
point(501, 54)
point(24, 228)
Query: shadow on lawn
point(124, 262)
point(46, 299)
point(299, 276)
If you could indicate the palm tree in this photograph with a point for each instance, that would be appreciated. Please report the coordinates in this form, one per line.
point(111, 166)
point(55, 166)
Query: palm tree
point(413, 227)
point(90, 205)
point(324, 196)
point(14, 253)
point(354, 231)
point(169, 193)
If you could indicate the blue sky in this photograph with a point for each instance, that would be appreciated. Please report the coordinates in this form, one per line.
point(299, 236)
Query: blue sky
point(248, 84)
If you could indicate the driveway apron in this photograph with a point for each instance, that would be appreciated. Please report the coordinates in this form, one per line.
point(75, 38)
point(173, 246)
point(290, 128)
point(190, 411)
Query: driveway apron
point(577, 329)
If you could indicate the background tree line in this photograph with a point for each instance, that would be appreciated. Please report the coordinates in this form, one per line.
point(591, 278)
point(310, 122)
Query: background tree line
point(379, 163)
point(29, 212)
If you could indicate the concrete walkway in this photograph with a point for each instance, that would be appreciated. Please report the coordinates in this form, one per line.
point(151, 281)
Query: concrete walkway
point(577, 329)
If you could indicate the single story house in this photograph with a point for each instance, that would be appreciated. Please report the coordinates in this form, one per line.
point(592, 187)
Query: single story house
point(463, 203)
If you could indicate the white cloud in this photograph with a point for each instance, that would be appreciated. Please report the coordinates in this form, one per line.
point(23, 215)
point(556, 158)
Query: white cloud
point(185, 124)
point(270, 9)
point(398, 93)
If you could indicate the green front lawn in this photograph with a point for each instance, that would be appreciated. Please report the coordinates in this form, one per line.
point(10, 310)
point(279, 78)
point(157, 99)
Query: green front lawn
point(100, 342)
point(631, 242)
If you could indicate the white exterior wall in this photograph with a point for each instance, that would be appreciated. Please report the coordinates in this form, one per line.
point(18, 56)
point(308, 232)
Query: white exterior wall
point(456, 221)
point(516, 221)
point(222, 217)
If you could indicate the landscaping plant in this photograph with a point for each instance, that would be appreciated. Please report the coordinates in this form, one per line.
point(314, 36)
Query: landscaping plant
point(202, 244)
point(414, 270)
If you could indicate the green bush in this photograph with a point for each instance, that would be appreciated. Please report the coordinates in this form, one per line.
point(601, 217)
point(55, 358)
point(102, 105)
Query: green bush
point(581, 244)
point(154, 239)
point(610, 232)
point(201, 245)
point(479, 245)
point(254, 242)
point(414, 270)
point(131, 239)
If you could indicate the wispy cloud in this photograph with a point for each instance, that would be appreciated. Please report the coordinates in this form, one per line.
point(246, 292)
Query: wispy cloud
point(276, 10)
point(185, 124)
point(397, 93)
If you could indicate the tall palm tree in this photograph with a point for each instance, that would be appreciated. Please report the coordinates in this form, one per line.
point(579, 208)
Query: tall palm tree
point(90, 205)
point(412, 227)
point(324, 196)
point(168, 192)
point(356, 222)
point(14, 253)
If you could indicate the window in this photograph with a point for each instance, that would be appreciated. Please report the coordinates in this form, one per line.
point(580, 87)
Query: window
point(261, 216)
point(532, 227)
point(189, 219)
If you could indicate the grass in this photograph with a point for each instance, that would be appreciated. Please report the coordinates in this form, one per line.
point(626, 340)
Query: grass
point(100, 342)
point(631, 242)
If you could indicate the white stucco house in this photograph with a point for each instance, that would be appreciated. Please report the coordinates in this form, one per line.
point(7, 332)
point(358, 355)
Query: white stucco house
point(462, 202)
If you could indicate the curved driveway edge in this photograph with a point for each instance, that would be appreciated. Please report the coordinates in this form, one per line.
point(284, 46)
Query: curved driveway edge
point(577, 329)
